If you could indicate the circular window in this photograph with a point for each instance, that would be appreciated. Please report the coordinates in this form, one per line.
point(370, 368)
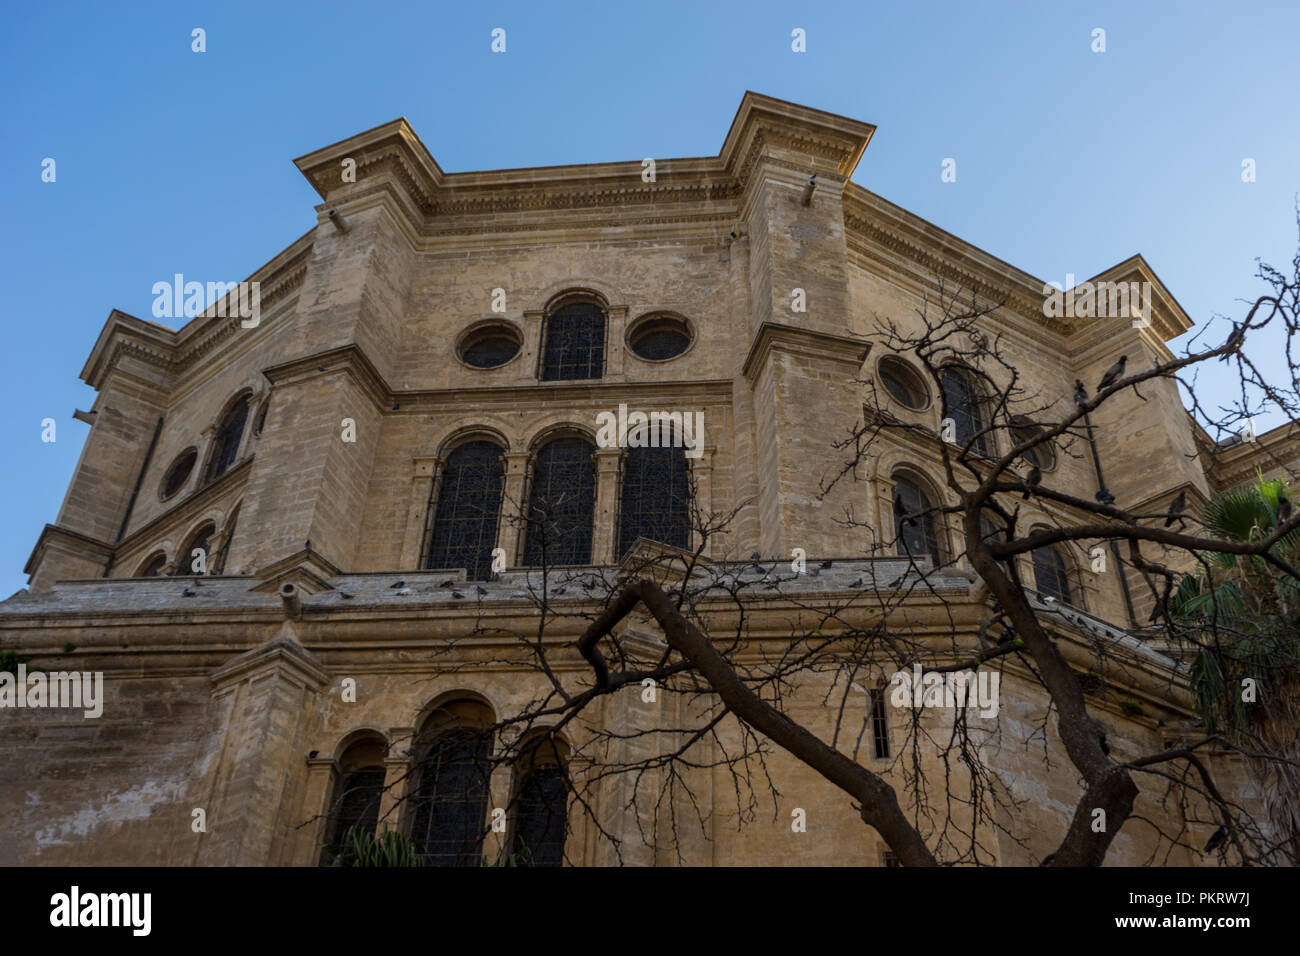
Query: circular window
point(179, 472)
point(902, 384)
point(1042, 455)
point(489, 346)
point(659, 338)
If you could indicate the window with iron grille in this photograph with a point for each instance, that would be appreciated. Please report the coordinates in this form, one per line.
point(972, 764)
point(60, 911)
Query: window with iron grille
point(656, 498)
point(1050, 575)
point(540, 824)
point(225, 446)
point(561, 504)
point(963, 403)
point(200, 540)
point(917, 534)
point(469, 500)
point(355, 805)
point(451, 802)
point(574, 346)
point(879, 726)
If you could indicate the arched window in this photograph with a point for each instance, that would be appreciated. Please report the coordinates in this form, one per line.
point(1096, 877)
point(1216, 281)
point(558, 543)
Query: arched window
point(561, 504)
point(187, 561)
point(1051, 576)
point(917, 534)
point(355, 803)
point(153, 567)
point(449, 814)
point(542, 808)
point(469, 500)
point(574, 343)
point(219, 566)
point(963, 402)
point(225, 445)
point(656, 499)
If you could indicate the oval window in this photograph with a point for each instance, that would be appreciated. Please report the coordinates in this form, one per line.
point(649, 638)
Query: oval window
point(178, 473)
point(903, 385)
point(660, 338)
point(490, 346)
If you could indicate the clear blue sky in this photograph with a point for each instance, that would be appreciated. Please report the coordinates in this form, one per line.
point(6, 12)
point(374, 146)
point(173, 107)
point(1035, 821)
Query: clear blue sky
point(171, 161)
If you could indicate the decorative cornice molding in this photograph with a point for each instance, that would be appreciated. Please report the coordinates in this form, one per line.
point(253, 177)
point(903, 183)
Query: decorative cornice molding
point(781, 337)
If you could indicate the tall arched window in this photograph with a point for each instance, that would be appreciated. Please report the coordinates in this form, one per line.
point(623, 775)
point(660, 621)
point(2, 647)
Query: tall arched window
point(917, 530)
point(574, 343)
point(542, 809)
point(187, 562)
point(1051, 575)
point(355, 802)
point(449, 816)
point(561, 504)
point(963, 402)
point(469, 500)
point(225, 445)
point(656, 499)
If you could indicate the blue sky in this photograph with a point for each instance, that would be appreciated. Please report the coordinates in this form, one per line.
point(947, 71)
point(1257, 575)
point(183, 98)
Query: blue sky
point(170, 161)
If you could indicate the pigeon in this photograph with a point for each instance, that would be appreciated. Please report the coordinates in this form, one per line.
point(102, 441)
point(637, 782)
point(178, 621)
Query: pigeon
point(1217, 839)
point(346, 596)
point(457, 595)
point(1113, 374)
point(1177, 507)
point(396, 584)
point(557, 590)
point(480, 589)
point(856, 584)
point(1033, 479)
point(1283, 509)
point(826, 564)
point(189, 592)
point(1080, 393)
point(1234, 341)
point(307, 546)
point(447, 583)
point(756, 556)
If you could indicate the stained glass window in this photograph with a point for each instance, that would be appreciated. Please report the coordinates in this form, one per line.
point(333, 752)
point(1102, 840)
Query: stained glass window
point(225, 446)
point(574, 346)
point(916, 531)
point(450, 806)
point(469, 500)
point(963, 404)
point(561, 504)
point(540, 824)
point(1050, 575)
point(656, 498)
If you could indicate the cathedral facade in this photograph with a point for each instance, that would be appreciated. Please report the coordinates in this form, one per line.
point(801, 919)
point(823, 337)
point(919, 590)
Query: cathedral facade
point(292, 543)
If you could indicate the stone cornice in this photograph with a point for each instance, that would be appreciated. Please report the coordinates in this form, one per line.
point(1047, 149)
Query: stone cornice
point(54, 536)
point(392, 158)
point(781, 337)
point(173, 351)
point(347, 358)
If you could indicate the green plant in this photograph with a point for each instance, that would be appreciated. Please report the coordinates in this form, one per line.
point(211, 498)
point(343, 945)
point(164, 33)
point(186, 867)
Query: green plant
point(9, 661)
point(362, 847)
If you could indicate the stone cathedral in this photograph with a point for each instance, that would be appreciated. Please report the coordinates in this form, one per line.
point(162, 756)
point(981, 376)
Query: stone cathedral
point(288, 544)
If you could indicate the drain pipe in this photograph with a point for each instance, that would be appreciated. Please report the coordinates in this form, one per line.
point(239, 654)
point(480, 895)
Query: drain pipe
point(1105, 497)
point(135, 492)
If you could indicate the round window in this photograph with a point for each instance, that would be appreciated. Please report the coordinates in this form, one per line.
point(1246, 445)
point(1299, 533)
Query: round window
point(489, 346)
point(659, 338)
point(903, 385)
point(178, 473)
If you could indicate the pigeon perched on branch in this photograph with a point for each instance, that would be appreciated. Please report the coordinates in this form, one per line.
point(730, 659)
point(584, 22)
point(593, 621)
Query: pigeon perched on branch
point(1113, 374)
